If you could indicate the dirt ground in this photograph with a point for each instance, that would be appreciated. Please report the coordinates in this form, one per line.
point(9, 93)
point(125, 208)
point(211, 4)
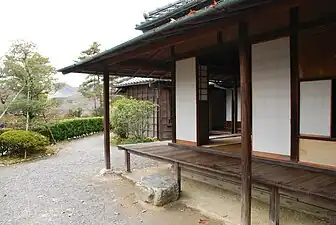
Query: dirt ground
point(65, 189)
point(135, 212)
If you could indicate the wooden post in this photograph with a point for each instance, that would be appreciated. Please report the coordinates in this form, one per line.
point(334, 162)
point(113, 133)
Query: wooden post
point(177, 172)
point(246, 112)
point(128, 161)
point(107, 120)
point(274, 211)
point(173, 92)
point(294, 83)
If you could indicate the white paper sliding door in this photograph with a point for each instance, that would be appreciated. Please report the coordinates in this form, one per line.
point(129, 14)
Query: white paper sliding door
point(271, 97)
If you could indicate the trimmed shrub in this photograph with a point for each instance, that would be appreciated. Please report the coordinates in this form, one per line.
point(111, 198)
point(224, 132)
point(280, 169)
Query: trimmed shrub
point(17, 142)
point(130, 117)
point(71, 128)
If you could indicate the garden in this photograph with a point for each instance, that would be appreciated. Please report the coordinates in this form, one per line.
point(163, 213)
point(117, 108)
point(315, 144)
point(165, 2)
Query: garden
point(129, 121)
point(31, 119)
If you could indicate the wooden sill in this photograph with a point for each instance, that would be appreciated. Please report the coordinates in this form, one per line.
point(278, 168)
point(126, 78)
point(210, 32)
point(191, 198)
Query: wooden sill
point(317, 137)
point(320, 166)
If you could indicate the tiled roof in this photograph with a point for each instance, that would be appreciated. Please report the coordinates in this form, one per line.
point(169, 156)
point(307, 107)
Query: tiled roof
point(138, 81)
point(174, 11)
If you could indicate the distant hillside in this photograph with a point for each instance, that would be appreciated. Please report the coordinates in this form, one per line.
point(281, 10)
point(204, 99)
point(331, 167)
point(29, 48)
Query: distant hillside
point(71, 98)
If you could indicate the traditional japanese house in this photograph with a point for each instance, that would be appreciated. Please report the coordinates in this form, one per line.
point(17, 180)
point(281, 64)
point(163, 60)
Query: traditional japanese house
point(280, 55)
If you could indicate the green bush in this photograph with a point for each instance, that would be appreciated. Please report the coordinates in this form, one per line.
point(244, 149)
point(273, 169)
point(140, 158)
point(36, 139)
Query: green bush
point(130, 117)
point(3, 130)
point(19, 142)
point(71, 128)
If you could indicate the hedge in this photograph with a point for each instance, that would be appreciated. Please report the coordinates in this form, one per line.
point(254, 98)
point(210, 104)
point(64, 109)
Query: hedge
point(71, 128)
point(19, 142)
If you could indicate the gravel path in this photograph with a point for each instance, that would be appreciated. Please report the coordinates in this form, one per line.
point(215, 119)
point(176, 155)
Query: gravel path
point(65, 189)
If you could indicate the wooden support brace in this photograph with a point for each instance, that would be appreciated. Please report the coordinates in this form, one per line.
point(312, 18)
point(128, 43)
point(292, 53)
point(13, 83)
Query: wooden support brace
point(274, 211)
point(177, 173)
point(128, 161)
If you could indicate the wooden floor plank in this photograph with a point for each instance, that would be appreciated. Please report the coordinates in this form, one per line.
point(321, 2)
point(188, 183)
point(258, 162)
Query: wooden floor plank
point(180, 155)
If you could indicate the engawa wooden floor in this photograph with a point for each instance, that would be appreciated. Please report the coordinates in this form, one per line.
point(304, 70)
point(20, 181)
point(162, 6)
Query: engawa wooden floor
point(292, 179)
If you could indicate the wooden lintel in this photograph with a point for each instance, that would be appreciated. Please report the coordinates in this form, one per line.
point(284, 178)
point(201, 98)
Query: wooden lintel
point(106, 89)
point(246, 122)
point(294, 84)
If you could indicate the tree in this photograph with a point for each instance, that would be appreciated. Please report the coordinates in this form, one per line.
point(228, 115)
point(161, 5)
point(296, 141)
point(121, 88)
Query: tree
point(28, 72)
point(5, 92)
point(92, 87)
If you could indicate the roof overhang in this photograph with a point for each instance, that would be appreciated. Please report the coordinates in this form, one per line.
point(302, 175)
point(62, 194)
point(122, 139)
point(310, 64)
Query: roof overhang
point(136, 57)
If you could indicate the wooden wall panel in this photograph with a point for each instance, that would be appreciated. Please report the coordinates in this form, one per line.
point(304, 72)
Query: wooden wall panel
point(268, 20)
point(230, 33)
point(318, 152)
point(317, 53)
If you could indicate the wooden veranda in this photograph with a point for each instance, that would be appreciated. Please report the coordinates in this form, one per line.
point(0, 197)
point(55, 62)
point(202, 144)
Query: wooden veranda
point(276, 177)
point(284, 176)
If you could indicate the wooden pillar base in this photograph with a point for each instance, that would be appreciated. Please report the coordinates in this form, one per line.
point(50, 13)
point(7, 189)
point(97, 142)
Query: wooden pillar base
point(274, 211)
point(128, 161)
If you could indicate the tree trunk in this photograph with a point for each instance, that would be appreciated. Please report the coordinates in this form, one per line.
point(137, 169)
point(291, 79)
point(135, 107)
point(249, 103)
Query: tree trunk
point(27, 119)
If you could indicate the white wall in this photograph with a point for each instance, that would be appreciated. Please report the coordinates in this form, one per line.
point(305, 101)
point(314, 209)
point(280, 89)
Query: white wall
point(315, 107)
point(186, 100)
point(229, 105)
point(271, 97)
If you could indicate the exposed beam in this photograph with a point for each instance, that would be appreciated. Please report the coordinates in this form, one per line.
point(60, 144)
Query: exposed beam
point(107, 120)
point(294, 84)
point(246, 122)
point(144, 64)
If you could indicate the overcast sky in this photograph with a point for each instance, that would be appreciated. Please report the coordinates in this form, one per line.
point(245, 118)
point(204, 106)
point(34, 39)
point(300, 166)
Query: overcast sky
point(63, 28)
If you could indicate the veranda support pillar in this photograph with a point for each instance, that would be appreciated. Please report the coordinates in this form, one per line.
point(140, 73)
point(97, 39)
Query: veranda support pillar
point(295, 84)
point(107, 120)
point(246, 123)
point(173, 93)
